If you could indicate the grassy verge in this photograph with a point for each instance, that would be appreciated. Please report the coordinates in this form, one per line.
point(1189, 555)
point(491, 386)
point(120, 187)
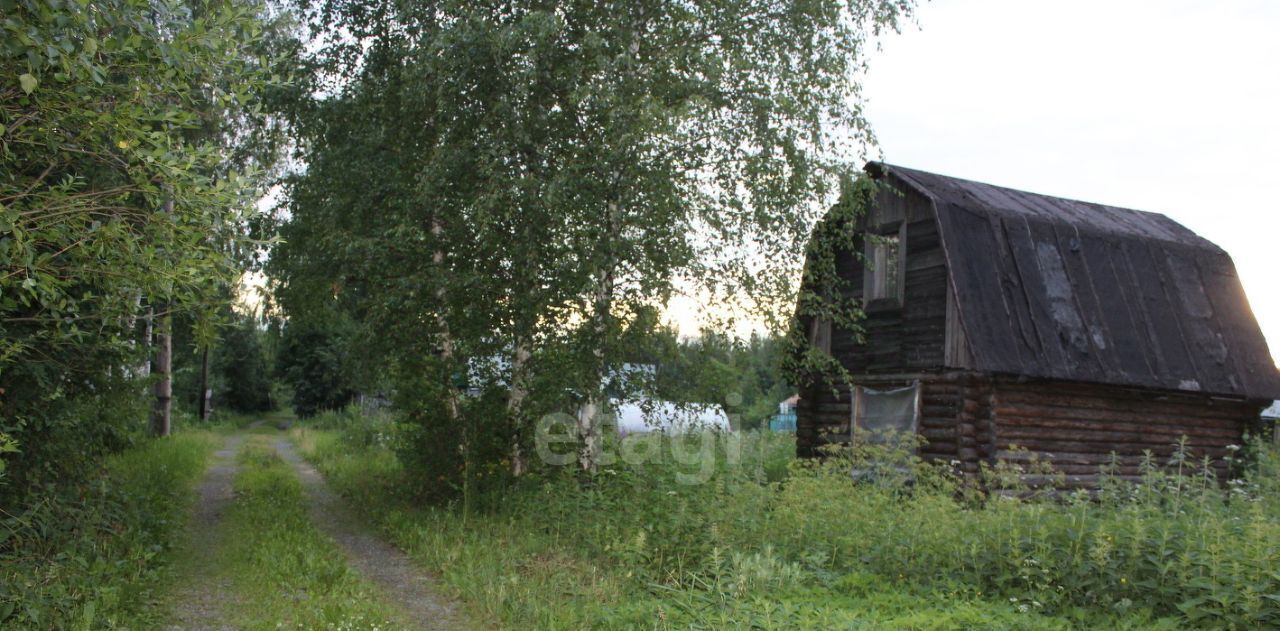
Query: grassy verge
point(642, 549)
point(287, 574)
point(95, 556)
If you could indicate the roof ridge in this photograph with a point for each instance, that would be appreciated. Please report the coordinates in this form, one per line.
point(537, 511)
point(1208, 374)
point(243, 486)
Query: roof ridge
point(1094, 217)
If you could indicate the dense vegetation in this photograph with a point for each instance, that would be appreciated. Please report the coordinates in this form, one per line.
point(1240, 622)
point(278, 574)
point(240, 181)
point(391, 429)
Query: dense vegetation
point(489, 206)
point(769, 542)
point(89, 556)
point(133, 145)
point(499, 196)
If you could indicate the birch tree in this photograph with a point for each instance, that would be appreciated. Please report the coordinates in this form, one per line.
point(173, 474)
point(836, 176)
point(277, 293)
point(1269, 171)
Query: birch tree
point(564, 165)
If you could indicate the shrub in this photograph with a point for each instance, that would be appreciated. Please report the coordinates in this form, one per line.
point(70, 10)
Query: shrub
point(91, 555)
point(62, 433)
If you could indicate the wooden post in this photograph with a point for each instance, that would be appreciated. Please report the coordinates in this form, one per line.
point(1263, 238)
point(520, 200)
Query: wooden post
point(205, 392)
point(161, 411)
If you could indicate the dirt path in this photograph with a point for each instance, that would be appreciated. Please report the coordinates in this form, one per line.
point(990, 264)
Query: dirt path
point(204, 595)
point(404, 585)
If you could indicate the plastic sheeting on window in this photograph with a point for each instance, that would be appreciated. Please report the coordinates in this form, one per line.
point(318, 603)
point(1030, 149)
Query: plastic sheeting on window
point(881, 414)
point(885, 417)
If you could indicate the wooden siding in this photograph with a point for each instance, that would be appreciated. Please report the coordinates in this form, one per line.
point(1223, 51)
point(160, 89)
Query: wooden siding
point(1077, 427)
point(912, 337)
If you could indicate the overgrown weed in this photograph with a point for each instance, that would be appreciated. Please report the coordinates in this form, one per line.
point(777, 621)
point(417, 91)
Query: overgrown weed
point(94, 555)
point(911, 545)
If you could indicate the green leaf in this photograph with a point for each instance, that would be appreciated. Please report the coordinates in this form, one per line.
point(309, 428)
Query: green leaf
point(28, 82)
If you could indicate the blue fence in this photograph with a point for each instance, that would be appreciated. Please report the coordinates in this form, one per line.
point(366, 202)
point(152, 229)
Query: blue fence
point(783, 423)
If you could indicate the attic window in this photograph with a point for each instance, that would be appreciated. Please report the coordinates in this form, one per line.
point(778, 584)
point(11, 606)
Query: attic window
point(883, 279)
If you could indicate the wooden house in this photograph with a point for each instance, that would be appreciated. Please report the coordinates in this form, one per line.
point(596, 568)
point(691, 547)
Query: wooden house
point(1016, 324)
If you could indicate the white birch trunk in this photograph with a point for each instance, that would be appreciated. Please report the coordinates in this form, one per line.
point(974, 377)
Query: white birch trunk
point(447, 350)
point(591, 440)
point(515, 404)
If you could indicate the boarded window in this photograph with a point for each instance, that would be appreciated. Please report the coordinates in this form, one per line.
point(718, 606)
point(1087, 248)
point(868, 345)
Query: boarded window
point(882, 280)
point(879, 415)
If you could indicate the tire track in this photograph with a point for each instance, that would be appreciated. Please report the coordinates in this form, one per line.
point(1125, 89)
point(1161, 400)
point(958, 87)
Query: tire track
point(411, 591)
point(201, 603)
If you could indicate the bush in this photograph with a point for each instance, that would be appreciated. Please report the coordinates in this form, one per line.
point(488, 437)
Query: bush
point(62, 432)
point(311, 360)
point(91, 555)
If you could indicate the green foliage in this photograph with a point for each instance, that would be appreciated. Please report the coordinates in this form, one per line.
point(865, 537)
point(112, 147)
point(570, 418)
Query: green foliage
point(825, 299)
point(488, 178)
point(240, 362)
point(63, 432)
point(432, 446)
point(273, 548)
point(315, 359)
point(811, 549)
point(744, 376)
point(7, 446)
point(127, 178)
point(92, 555)
point(104, 202)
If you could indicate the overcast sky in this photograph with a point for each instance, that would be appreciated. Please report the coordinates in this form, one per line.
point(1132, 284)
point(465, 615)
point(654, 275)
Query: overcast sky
point(1171, 106)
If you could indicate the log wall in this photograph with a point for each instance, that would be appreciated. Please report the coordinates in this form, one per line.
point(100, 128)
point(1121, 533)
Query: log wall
point(1077, 427)
point(974, 419)
point(946, 402)
point(913, 336)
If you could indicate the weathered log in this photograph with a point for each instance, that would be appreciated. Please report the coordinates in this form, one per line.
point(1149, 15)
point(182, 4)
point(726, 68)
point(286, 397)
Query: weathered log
point(1189, 413)
point(1156, 427)
point(1016, 432)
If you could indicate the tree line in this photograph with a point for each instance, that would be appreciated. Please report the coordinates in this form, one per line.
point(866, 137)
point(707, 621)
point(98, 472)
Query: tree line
point(527, 181)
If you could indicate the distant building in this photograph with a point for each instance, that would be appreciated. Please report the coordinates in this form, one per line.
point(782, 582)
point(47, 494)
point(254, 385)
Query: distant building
point(785, 419)
point(654, 415)
point(1002, 324)
point(1271, 422)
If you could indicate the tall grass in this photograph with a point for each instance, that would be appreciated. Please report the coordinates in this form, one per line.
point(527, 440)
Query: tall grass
point(93, 556)
point(804, 546)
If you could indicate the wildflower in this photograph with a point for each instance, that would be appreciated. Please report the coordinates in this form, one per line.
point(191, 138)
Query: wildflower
point(123, 144)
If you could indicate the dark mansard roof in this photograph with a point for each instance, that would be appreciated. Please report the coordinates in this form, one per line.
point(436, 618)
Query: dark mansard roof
point(1062, 289)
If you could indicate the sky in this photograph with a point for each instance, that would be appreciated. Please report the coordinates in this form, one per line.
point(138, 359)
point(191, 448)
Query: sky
point(1171, 106)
